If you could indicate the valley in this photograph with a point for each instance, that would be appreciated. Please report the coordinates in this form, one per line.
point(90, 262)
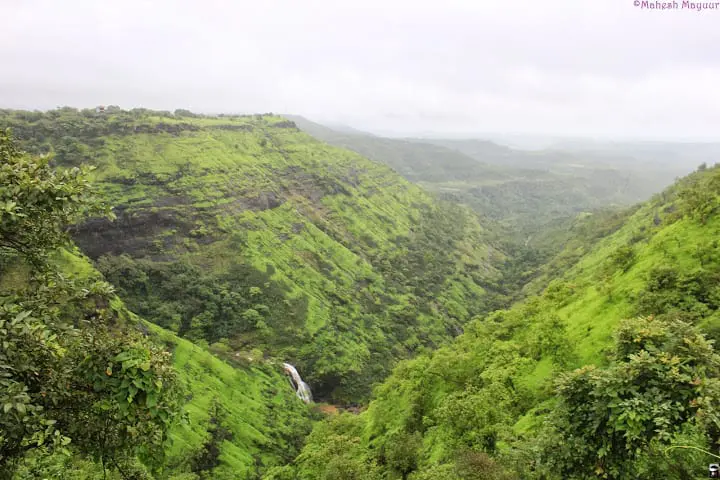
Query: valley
point(444, 308)
point(499, 389)
point(526, 193)
point(244, 234)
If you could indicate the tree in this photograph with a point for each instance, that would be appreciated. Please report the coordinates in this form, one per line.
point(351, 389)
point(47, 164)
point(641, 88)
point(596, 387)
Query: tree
point(701, 198)
point(622, 258)
point(333, 452)
point(71, 151)
point(401, 452)
point(73, 375)
point(37, 203)
point(473, 465)
point(663, 382)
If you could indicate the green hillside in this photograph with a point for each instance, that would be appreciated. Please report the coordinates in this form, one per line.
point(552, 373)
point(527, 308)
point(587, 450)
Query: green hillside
point(238, 243)
point(248, 236)
point(496, 403)
point(239, 417)
point(242, 419)
point(87, 389)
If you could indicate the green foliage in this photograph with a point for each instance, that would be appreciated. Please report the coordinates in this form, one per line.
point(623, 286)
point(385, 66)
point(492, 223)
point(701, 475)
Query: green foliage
point(664, 376)
point(577, 238)
point(244, 228)
point(72, 376)
point(181, 297)
point(37, 203)
point(258, 243)
point(693, 295)
point(27, 345)
point(472, 465)
point(70, 151)
point(549, 340)
point(486, 406)
point(526, 192)
point(243, 416)
point(701, 199)
point(208, 458)
point(622, 258)
point(400, 452)
point(143, 398)
point(445, 471)
point(472, 418)
point(334, 451)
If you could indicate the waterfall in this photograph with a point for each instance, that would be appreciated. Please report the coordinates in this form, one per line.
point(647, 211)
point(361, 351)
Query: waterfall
point(301, 388)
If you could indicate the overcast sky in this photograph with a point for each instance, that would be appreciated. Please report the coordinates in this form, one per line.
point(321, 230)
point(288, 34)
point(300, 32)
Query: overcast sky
point(569, 67)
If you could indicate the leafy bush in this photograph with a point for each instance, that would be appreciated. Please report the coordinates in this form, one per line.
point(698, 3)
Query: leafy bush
point(72, 375)
point(668, 291)
point(664, 378)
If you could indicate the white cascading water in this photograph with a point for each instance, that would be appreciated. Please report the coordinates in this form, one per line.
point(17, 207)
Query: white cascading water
point(301, 388)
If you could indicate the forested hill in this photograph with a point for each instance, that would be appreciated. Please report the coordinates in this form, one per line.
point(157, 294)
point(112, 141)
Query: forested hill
point(638, 312)
point(90, 391)
point(248, 236)
point(249, 243)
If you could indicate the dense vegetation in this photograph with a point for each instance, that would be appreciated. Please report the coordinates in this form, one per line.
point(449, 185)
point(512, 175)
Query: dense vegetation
point(89, 390)
point(246, 235)
point(503, 401)
point(243, 418)
point(74, 376)
point(247, 243)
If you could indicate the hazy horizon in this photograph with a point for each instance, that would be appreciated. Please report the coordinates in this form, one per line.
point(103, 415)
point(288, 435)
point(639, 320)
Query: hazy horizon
point(461, 68)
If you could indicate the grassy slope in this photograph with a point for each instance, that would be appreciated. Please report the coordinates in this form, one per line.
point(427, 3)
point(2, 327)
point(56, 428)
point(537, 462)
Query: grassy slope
point(344, 238)
point(253, 401)
point(258, 407)
point(595, 306)
point(591, 297)
point(502, 355)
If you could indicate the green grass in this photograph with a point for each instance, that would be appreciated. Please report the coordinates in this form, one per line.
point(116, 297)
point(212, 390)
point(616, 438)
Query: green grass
point(338, 233)
point(245, 395)
point(511, 356)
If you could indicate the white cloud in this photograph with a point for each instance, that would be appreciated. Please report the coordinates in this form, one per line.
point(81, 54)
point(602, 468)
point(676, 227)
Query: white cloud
point(561, 66)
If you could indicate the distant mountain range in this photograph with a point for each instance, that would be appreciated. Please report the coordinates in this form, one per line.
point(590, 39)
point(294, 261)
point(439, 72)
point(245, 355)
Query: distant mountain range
point(523, 189)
